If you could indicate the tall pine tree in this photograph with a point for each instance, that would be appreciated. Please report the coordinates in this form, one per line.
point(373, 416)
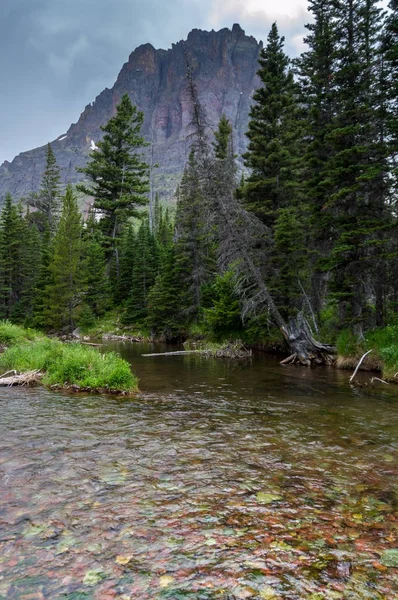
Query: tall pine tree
point(118, 175)
point(273, 135)
point(65, 289)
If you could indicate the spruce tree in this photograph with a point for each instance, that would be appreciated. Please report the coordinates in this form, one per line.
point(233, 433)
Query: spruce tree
point(316, 70)
point(65, 288)
point(118, 175)
point(390, 57)
point(48, 200)
point(127, 255)
point(12, 229)
point(194, 260)
point(357, 172)
point(223, 138)
point(273, 135)
point(97, 295)
point(145, 270)
point(165, 317)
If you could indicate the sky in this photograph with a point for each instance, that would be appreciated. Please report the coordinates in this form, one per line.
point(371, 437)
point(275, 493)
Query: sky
point(56, 56)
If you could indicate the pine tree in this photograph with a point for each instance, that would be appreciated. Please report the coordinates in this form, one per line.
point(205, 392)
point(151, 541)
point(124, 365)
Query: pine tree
point(194, 260)
point(127, 256)
point(273, 135)
point(390, 57)
point(29, 265)
point(12, 228)
point(48, 200)
point(65, 288)
point(118, 175)
point(317, 69)
point(145, 270)
point(357, 172)
point(97, 295)
point(165, 316)
point(223, 138)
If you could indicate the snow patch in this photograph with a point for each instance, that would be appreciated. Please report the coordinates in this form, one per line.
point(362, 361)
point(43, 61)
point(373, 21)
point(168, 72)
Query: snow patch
point(61, 138)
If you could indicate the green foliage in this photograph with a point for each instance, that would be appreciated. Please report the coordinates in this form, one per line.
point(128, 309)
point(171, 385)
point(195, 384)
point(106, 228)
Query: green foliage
point(273, 135)
point(347, 343)
point(222, 320)
point(20, 259)
point(193, 252)
point(223, 138)
point(94, 280)
point(71, 364)
point(88, 368)
point(48, 200)
point(165, 317)
point(122, 287)
point(145, 269)
point(290, 259)
point(118, 175)
point(64, 290)
point(11, 334)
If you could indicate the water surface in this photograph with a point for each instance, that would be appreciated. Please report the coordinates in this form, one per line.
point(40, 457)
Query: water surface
point(221, 479)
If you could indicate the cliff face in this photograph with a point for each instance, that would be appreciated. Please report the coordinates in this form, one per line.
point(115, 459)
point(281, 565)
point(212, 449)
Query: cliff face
point(224, 66)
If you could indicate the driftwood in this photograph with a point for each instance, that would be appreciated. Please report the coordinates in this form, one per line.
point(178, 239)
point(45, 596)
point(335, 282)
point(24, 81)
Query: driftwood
point(20, 378)
point(359, 364)
point(82, 343)
point(378, 379)
point(175, 353)
point(121, 338)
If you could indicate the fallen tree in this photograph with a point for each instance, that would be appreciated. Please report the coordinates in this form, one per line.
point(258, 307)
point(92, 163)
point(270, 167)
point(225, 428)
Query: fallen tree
point(28, 378)
point(242, 242)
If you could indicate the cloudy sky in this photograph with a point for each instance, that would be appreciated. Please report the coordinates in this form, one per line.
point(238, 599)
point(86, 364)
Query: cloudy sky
point(58, 55)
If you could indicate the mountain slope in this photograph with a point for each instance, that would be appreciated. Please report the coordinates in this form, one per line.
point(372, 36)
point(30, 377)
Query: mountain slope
point(224, 65)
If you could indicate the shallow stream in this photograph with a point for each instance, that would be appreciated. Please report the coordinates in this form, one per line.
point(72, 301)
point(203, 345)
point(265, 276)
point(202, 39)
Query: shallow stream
point(222, 479)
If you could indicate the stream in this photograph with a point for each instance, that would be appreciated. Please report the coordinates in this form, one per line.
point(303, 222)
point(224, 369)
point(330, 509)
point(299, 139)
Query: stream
point(221, 479)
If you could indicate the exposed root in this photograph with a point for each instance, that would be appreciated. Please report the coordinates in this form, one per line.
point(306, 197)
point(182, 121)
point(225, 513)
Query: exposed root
point(289, 360)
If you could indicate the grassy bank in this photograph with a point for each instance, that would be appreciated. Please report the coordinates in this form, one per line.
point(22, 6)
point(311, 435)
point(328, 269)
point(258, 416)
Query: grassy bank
point(11, 334)
point(70, 366)
point(384, 356)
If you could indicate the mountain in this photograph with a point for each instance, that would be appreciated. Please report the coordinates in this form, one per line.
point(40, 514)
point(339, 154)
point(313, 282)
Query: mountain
point(224, 65)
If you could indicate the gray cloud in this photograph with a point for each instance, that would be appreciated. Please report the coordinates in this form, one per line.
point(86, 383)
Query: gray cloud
point(57, 55)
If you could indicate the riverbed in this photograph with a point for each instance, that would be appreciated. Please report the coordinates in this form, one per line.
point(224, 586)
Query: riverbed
point(221, 479)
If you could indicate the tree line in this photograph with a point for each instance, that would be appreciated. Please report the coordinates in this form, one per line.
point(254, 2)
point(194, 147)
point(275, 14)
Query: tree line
point(305, 240)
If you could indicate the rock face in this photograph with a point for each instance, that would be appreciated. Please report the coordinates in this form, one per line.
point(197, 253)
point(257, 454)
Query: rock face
point(224, 65)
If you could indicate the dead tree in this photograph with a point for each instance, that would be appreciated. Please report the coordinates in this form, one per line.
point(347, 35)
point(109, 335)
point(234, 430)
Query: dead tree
point(243, 243)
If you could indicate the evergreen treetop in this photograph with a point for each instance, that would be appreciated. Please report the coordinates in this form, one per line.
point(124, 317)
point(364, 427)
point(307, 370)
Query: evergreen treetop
point(119, 176)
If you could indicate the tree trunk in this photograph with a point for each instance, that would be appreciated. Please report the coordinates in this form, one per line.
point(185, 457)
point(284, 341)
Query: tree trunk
point(304, 348)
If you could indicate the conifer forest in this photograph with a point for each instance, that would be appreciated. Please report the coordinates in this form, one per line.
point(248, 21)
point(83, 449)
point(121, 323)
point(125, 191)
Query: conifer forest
point(197, 394)
point(295, 243)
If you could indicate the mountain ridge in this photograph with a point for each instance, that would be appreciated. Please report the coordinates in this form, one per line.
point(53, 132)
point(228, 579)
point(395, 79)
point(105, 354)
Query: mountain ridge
point(224, 65)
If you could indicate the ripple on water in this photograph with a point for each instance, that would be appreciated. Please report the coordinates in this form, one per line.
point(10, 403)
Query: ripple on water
point(285, 488)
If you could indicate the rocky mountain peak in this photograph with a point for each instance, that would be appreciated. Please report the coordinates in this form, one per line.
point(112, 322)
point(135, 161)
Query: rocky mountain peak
point(224, 65)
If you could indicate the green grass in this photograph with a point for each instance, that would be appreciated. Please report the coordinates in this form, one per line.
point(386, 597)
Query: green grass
point(110, 323)
point(382, 341)
point(11, 334)
point(71, 364)
point(347, 344)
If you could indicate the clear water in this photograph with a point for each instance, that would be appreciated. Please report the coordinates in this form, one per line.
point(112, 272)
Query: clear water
point(219, 480)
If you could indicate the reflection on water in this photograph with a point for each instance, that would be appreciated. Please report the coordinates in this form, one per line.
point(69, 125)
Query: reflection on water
point(221, 480)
